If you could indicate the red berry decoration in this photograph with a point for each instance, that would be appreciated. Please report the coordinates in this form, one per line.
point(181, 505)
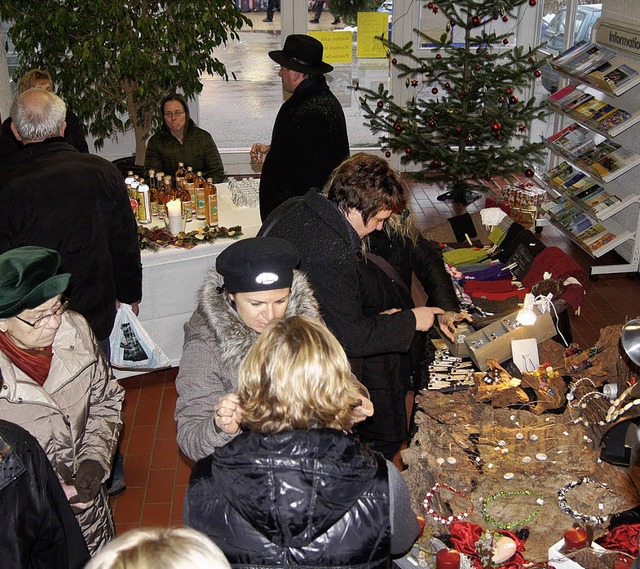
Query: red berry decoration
point(387, 154)
point(475, 20)
point(380, 104)
point(537, 73)
point(430, 5)
point(505, 18)
point(432, 122)
point(438, 56)
point(500, 99)
point(435, 9)
point(509, 91)
point(513, 100)
point(394, 61)
point(505, 41)
point(458, 130)
point(434, 90)
point(398, 127)
point(408, 150)
point(447, 85)
point(529, 173)
point(533, 2)
point(436, 163)
point(496, 127)
point(478, 67)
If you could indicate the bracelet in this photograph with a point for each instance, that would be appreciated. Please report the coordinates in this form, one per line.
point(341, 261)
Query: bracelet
point(577, 515)
point(516, 524)
point(449, 520)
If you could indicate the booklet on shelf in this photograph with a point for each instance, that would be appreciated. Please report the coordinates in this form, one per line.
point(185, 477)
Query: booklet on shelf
point(615, 75)
point(571, 139)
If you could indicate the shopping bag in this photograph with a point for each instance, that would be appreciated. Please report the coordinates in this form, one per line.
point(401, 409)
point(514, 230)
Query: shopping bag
point(131, 345)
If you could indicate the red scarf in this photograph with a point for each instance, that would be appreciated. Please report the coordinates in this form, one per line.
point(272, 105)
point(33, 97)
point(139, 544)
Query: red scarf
point(35, 363)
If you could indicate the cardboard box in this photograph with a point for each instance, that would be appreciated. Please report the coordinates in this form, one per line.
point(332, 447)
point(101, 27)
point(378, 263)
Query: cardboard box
point(559, 560)
point(494, 341)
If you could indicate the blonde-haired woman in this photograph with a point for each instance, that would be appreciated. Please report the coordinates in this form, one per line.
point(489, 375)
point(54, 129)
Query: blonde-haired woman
point(297, 488)
point(149, 548)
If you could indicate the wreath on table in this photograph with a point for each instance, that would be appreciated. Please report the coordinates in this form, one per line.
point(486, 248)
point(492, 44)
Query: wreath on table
point(153, 239)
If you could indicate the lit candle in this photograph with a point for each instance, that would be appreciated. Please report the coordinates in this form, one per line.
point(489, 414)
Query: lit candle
point(447, 559)
point(173, 208)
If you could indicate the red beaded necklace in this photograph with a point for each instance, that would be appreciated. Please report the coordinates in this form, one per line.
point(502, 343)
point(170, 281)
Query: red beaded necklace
point(450, 519)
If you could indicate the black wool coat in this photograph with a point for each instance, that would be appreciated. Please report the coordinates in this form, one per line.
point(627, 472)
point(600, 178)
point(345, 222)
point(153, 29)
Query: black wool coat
point(309, 140)
point(54, 196)
point(330, 256)
point(38, 530)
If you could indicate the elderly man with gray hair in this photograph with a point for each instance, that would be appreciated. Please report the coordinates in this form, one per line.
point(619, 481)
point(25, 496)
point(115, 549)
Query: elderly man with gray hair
point(54, 196)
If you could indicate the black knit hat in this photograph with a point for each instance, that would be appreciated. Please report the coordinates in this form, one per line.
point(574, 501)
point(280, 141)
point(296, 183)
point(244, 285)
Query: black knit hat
point(302, 53)
point(258, 263)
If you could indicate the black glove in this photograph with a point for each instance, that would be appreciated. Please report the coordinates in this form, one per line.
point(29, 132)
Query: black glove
point(88, 480)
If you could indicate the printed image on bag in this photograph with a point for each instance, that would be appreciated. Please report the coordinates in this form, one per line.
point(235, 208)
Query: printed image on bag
point(131, 345)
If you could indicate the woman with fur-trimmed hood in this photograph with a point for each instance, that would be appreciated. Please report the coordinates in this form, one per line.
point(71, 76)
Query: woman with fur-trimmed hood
point(255, 282)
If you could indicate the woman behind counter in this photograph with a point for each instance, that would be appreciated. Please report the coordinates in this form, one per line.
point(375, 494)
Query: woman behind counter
point(180, 140)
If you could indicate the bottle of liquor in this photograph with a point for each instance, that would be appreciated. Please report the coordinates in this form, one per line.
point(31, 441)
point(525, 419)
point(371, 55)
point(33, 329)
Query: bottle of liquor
point(133, 185)
point(211, 203)
point(129, 178)
point(144, 202)
point(187, 206)
point(180, 174)
point(201, 207)
point(161, 194)
point(189, 184)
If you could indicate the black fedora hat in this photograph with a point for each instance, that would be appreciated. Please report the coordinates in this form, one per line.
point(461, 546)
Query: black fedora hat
point(302, 53)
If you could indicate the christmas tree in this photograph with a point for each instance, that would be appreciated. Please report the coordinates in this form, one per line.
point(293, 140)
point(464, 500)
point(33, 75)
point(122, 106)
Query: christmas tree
point(463, 121)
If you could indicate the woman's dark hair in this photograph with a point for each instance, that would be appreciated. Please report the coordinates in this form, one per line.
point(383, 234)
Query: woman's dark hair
point(180, 99)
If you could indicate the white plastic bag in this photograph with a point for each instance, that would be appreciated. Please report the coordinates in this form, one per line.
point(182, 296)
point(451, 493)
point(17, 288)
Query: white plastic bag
point(131, 345)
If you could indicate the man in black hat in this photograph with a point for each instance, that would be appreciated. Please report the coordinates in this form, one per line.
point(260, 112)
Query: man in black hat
point(309, 137)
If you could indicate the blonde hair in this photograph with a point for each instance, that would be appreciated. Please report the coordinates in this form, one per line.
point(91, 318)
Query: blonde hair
point(149, 548)
point(296, 376)
point(31, 79)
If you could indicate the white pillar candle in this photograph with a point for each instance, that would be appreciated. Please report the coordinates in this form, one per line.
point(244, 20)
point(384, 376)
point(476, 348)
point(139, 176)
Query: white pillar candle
point(175, 216)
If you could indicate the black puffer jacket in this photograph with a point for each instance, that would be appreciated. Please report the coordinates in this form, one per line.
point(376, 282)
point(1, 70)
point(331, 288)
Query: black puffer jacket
point(54, 196)
point(313, 498)
point(309, 140)
point(38, 530)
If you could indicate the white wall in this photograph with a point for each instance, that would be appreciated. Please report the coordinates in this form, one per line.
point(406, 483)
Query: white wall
point(627, 11)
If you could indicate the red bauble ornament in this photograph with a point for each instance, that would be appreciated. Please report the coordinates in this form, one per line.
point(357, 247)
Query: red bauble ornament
point(434, 90)
point(394, 61)
point(430, 5)
point(436, 163)
point(505, 18)
point(509, 91)
point(529, 173)
point(496, 127)
point(438, 56)
point(387, 154)
point(501, 100)
point(432, 122)
point(533, 2)
point(537, 73)
point(408, 150)
point(458, 130)
point(398, 127)
point(488, 176)
point(505, 41)
point(447, 85)
point(380, 104)
point(513, 100)
point(478, 67)
point(476, 20)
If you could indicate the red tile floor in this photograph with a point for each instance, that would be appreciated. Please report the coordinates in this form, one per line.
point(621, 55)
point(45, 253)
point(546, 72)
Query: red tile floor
point(157, 474)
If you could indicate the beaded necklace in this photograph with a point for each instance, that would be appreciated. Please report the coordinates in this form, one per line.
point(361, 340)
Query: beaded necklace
point(450, 519)
point(562, 502)
point(505, 494)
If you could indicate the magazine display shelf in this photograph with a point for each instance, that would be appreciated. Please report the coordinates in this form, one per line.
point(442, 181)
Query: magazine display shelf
point(596, 191)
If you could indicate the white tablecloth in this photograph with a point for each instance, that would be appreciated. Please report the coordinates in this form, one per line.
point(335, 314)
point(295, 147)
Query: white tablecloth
point(171, 277)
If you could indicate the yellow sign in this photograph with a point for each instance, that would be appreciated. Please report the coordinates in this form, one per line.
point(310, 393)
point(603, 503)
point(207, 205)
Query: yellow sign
point(372, 25)
point(337, 46)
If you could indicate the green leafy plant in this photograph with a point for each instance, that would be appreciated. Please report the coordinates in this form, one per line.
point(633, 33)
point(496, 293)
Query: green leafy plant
point(113, 60)
point(348, 9)
point(464, 120)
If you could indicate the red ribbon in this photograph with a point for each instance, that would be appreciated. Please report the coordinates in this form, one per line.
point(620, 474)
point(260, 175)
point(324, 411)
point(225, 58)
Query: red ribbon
point(464, 536)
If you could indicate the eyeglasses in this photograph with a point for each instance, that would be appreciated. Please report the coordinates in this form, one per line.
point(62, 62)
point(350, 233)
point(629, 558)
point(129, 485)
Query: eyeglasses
point(43, 320)
point(177, 114)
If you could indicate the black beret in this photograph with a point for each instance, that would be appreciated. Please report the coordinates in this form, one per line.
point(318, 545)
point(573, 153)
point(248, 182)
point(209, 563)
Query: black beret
point(258, 263)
